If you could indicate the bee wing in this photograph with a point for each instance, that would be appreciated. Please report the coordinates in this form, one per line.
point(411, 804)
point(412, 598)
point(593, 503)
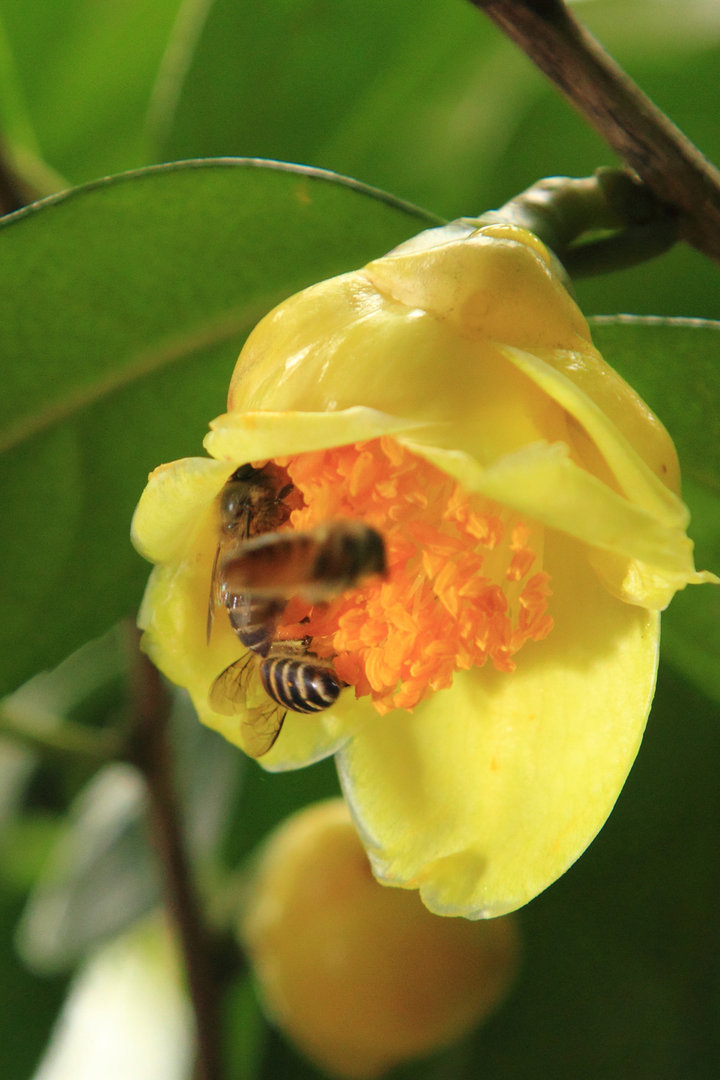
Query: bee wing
point(214, 596)
point(261, 729)
point(228, 696)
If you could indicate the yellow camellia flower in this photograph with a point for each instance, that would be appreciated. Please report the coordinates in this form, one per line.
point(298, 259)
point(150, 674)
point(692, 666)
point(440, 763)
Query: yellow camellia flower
point(363, 978)
point(500, 675)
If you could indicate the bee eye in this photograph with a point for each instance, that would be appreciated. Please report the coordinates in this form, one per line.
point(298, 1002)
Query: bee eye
point(232, 501)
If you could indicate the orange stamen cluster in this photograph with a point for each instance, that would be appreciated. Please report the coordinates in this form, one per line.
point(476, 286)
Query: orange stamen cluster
point(464, 584)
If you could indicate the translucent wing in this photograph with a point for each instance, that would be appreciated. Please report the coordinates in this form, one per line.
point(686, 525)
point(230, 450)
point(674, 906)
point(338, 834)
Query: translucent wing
point(229, 696)
point(215, 596)
point(235, 539)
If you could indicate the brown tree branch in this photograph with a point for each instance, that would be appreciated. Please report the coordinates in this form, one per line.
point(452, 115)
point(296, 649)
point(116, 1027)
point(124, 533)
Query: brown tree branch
point(150, 753)
point(671, 166)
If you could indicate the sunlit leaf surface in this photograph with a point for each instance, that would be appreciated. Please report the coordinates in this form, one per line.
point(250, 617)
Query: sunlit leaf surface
point(122, 308)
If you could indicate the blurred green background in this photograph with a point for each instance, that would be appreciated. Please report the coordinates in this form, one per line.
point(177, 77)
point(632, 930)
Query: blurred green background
point(141, 291)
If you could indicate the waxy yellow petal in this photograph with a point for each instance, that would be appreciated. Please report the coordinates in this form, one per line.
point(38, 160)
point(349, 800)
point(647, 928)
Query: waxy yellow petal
point(489, 791)
point(463, 348)
point(343, 345)
point(543, 482)
point(172, 506)
point(257, 436)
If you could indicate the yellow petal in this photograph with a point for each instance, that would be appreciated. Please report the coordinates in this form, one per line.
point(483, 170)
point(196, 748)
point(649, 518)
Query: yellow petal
point(173, 503)
point(638, 481)
point(341, 344)
point(498, 283)
point(543, 482)
point(622, 407)
point(490, 790)
point(257, 436)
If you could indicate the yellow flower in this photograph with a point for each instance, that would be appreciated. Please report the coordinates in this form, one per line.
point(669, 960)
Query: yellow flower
point(499, 677)
point(363, 978)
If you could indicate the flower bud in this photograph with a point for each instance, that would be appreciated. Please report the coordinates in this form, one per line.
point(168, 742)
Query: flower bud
point(360, 976)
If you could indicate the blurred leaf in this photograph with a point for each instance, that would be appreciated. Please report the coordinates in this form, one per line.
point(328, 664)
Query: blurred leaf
point(126, 1014)
point(62, 692)
point(16, 765)
point(27, 1005)
point(15, 123)
point(100, 878)
point(674, 366)
point(650, 28)
point(27, 844)
point(83, 76)
point(423, 97)
point(209, 776)
point(69, 711)
point(417, 94)
point(245, 1030)
point(122, 308)
point(691, 625)
point(102, 873)
point(434, 103)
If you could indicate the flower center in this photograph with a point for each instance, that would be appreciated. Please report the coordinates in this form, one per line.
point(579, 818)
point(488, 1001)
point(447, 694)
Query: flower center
point(465, 582)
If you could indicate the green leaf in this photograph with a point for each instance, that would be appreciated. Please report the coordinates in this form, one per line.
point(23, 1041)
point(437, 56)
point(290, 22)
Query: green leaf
point(82, 78)
point(673, 364)
point(28, 1005)
point(416, 95)
point(102, 874)
point(245, 1030)
point(123, 306)
point(691, 625)
point(100, 878)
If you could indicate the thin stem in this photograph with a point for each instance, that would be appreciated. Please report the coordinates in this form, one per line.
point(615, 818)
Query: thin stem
point(593, 224)
point(671, 166)
point(151, 755)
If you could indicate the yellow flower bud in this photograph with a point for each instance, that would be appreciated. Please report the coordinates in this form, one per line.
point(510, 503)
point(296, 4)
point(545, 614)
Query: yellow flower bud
point(359, 976)
point(498, 678)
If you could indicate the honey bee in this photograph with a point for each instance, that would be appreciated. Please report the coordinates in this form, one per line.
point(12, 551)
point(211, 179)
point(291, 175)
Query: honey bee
point(255, 573)
point(252, 502)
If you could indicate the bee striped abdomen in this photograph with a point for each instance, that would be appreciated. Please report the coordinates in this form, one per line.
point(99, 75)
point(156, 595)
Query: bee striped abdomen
point(299, 685)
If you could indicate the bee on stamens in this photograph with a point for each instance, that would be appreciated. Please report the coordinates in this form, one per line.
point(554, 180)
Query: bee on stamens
point(256, 571)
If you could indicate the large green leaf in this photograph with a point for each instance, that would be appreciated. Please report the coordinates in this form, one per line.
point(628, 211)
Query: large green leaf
point(122, 308)
point(416, 95)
